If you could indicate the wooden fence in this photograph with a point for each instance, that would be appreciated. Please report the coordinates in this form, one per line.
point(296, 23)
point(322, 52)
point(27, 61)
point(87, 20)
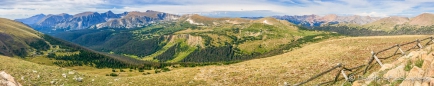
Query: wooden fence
point(349, 73)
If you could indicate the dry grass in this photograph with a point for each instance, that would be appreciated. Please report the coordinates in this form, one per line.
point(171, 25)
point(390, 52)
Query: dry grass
point(292, 67)
point(267, 45)
point(193, 31)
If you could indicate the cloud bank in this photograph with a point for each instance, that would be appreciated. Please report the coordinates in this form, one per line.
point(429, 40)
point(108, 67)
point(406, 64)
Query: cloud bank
point(14, 9)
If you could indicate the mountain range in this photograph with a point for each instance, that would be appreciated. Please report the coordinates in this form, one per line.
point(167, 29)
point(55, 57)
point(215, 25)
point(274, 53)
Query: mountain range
point(316, 20)
point(396, 22)
point(65, 22)
point(135, 19)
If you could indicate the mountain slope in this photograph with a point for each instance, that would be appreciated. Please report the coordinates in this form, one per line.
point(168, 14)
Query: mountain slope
point(137, 19)
point(32, 20)
point(17, 38)
point(388, 23)
point(425, 19)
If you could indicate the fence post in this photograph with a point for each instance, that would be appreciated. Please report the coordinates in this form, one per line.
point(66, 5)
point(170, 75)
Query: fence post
point(376, 58)
point(418, 44)
point(432, 40)
point(345, 75)
point(399, 48)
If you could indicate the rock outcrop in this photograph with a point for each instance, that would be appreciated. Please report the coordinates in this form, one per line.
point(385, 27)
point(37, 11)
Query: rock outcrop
point(7, 80)
point(413, 69)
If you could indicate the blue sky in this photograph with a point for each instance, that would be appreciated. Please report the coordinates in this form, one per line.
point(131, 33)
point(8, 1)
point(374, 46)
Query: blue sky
point(14, 9)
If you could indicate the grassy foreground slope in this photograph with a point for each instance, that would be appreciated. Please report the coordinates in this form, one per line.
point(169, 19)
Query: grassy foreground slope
point(28, 73)
point(292, 67)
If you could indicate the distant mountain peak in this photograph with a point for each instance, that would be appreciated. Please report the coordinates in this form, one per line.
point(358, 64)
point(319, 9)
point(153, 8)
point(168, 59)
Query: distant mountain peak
point(62, 14)
point(424, 19)
point(109, 11)
point(85, 14)
point(151, 11)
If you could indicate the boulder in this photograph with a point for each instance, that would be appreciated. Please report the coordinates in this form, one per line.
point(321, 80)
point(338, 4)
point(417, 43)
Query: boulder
point(7, 80)
point(414, 77)
point(396, 73)
point(430, 70)
point(358, 83)
point(386, 66)
point(426, 62)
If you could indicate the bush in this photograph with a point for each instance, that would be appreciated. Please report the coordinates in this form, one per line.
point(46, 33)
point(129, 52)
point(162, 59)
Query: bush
point(113, 70)
point(157, 71)
point(121, 70)
point(419, 63)
point(113, 74)
point(408, 66)
point(165, 69)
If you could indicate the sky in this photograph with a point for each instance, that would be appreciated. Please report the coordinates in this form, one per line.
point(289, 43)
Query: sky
point(16, 9)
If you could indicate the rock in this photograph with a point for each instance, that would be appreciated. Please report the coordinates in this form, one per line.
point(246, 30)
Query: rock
point(400, 60)
point(428, 82)
point(430, 70)
point(7, 80)
point(64, 75)
point(414, 77)
point(395, 73)
point(426, 63)
point(386, 66)
point(79, 79)
point(71, 72)
point(357, 83)
point(53, 82)
point(431, 82)
point(285, 84)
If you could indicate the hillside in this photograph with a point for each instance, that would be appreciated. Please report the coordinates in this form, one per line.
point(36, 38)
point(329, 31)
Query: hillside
point(195, 38)
point(425, 19)
point(291, 67)
point(19, 40)
point(387, 23)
